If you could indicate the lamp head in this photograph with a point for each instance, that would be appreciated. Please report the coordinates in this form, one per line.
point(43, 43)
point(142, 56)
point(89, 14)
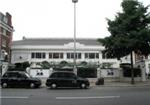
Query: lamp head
point(74, 1)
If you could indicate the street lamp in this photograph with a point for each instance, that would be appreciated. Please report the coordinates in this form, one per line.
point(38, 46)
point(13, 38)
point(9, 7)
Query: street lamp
point(75, 67)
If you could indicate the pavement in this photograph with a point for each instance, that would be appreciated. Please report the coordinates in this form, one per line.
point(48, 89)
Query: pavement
point(122, 84)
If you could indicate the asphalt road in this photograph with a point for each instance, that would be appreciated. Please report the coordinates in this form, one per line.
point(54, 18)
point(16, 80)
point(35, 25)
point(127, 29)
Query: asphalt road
point(92, 96)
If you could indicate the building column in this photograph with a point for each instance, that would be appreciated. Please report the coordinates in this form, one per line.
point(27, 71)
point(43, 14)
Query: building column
point(65, 56)
point(100, 57)
point(83, 56)
point(47, 56)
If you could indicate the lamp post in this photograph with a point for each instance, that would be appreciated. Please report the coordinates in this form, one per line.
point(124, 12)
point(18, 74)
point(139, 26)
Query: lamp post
point(75, 67)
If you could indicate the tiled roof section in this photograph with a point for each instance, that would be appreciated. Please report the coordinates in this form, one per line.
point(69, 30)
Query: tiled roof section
point(55, 41)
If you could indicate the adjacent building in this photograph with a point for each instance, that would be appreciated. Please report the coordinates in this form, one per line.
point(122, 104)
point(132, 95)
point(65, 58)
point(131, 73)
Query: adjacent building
point(55, 50)
point(6, 32)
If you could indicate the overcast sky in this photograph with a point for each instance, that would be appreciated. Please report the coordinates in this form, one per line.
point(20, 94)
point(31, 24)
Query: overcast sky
point(54, 18)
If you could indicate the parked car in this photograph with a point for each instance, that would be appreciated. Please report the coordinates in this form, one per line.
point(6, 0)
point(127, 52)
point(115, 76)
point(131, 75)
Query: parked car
point(66, 79)
point(19, 79)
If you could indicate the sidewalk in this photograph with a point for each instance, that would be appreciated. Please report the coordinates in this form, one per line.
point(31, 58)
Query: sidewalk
point(122, 84)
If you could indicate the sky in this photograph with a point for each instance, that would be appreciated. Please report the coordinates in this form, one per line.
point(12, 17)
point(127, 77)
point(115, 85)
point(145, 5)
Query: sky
point(55, 18)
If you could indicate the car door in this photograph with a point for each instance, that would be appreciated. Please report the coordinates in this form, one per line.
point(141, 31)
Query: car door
point(12, 79)
point(70, 80)
point(61, 80)
point(23, 80)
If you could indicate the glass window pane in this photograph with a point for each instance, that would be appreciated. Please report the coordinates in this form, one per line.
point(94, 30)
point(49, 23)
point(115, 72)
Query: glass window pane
point(79, 55)
point(97, 55)
point(86, 55)
point(68, 55)
point(72, 55)
point(32, 55)
point(50, 55)
point(91, 55)
point(55, 55)
point(61, 55)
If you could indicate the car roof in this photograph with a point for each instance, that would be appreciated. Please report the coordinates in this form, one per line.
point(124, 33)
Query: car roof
point(63, 72)
point(15, 72)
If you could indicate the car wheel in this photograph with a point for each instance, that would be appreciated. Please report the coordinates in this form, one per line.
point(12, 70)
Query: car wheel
point(83, 86)
point(32, 85)
point(4, 85)
point(53, 85)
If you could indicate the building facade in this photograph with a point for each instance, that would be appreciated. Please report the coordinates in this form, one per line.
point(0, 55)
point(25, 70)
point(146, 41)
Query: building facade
point(55, 50)
point(6, 33)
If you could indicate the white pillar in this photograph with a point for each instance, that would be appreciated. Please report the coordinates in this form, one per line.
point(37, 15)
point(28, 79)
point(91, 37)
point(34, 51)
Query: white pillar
point(65, 56)
point(143, 71)
point(82, 56)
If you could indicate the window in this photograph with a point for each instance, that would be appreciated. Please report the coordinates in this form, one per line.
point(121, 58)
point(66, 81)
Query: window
point(71, 55)
point(43, 55)
point(86, 55)
point(12, 75)
point(32, 55)
point(91, 55)
point(55, 55)
point(50, 55)
point(5, 19)
point(68, 56)
point(69, 75)
point(97, 55)
point(38, 55)
point(4, 32)
point(79, 55)
point(4, 43)
point(61, 55)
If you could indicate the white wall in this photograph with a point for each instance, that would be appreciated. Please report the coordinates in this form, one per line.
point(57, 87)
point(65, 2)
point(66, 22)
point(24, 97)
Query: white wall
point(40, 73)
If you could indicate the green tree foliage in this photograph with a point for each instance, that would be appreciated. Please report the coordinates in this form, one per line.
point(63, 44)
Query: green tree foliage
point(22, 65)
point(130, 31)
point(45, 65)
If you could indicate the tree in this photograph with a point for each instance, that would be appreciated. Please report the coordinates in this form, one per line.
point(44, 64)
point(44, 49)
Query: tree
point(130, 32)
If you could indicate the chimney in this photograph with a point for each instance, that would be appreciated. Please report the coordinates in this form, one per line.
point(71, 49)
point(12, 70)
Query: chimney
point(9, 19)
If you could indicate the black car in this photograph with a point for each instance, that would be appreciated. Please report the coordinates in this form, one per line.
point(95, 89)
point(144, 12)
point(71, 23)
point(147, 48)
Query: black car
point(19, 79)
point(66, 79)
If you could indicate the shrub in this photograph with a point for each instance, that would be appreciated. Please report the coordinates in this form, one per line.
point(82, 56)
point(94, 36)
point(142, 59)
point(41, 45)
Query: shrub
point(127, 72)
point(45, 65)
point(23, 65)
point(87, 72)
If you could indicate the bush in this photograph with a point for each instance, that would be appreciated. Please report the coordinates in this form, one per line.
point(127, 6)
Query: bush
point(23, 65)
point(16, 69)
point(127, 72)
point(88, 72)
point(83, 63)
point(45, 65)
point(63, 63)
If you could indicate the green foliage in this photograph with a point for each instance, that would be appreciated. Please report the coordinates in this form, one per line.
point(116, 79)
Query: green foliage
point(23, 65)
point(130, 31)
point(64, 63)
point(106, 65)
point(45, 65)
point(87, 72)
point(84, 63)
point(127, 72)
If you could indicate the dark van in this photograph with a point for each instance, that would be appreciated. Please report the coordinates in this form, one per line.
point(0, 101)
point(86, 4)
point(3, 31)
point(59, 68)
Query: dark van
point(19, 79)
point(66, 79)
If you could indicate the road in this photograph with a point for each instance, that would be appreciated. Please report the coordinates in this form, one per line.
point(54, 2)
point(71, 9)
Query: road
point(92, 96)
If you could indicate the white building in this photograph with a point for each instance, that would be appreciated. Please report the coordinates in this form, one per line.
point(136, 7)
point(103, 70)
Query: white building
point(59, 49)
